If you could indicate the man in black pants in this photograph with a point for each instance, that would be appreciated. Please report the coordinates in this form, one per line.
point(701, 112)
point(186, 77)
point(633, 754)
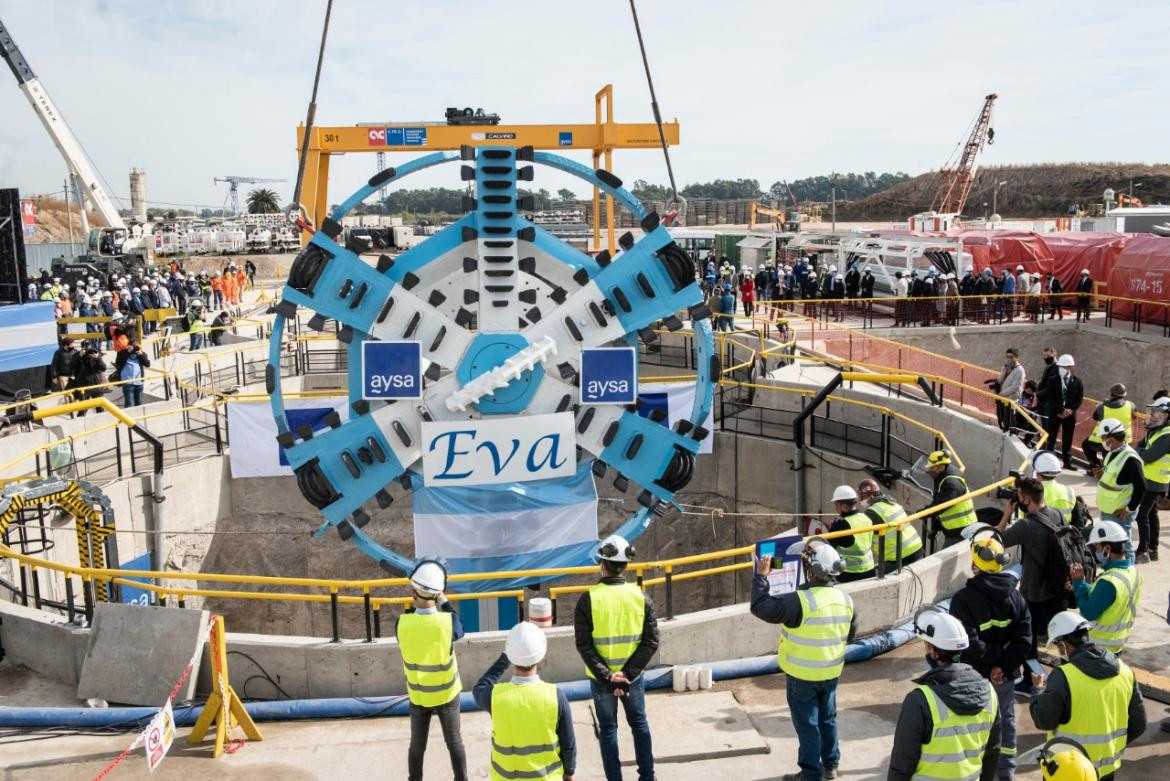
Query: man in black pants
point(1084, 300)
point(1063, 396)
point(1154, 450)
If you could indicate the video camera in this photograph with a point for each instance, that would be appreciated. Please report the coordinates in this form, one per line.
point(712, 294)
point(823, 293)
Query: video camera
point(1009, 491)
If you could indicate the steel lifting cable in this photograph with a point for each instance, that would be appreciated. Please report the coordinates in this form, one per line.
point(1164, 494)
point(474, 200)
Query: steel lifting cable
point(311, 114)
point(658, 118)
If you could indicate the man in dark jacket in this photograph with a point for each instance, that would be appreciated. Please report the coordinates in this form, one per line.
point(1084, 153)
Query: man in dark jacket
point(616, 635)
point(1038, 554)
point(1084, 300)
point(952, 713)
point(999, 628)
point(1085, 697)
point(867, 280)
point(1062, 394)
point(64, 364)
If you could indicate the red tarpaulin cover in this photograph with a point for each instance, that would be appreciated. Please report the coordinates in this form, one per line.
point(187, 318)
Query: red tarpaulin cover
point(998, 250)
point(1142, 270)
point(1076, 250)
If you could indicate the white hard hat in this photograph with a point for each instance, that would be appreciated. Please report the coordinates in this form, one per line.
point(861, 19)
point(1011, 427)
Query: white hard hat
point(1111, 427)
point(942, 630)
point(526, 644)
point(1107, 531)
point(615, 548)
point(844, 493)
point(1020, 267)
point(1084, 271)
point(821, 557)
point(429, 579)
point(1162, 404)
point(1066, 623)
point(197, 303)
point(1046, 463)
point(1065, 360)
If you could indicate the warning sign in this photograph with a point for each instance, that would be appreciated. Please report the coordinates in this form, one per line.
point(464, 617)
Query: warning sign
point(160, 733)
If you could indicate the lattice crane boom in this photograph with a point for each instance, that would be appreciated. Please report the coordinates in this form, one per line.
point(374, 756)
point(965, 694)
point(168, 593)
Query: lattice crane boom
point(954, 183)
point(236, 181)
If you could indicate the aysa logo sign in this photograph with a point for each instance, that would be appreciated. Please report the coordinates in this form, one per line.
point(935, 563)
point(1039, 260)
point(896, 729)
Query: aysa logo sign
point(499, 451)
point(608, 376)
point(391, 370)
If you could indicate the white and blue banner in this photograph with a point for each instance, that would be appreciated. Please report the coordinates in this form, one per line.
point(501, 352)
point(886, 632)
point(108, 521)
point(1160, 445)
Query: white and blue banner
point(28, 336)
point(506, 519)
point(676, 399)
point(254, 451)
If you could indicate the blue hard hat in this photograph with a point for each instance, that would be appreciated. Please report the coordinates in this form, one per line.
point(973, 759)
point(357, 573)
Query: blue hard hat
point(987, 272)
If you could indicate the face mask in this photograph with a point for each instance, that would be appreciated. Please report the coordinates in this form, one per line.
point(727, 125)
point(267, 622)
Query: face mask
point(1101, 557)
point(1063, 372)
point(1048, 359)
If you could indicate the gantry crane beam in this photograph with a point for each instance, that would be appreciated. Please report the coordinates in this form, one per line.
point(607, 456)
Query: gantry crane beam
point(601, 137)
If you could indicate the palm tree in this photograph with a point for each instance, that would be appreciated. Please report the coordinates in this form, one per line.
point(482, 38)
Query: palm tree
point(263, 201)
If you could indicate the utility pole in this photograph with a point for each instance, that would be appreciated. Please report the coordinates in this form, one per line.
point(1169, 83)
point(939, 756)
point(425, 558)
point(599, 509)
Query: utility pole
point(834, 207)
point(995, 197)
point(69, 216)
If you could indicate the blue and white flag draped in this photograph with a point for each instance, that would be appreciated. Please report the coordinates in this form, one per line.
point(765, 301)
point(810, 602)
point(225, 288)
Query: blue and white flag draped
point(28, 336)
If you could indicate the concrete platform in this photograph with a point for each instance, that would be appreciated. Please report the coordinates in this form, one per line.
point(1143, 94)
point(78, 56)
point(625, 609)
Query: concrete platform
point(718, 726)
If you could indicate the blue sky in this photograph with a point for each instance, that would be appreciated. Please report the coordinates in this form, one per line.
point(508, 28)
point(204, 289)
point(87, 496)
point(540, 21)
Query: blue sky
point(768, 90)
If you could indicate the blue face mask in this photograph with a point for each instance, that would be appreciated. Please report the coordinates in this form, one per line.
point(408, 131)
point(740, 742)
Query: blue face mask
point(1101, 557)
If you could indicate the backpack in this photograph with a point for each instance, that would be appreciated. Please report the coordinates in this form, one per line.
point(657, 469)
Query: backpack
point(1082, 517)
point(1068, 547)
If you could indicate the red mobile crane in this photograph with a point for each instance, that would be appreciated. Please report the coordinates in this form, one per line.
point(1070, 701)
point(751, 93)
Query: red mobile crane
point(954, 184)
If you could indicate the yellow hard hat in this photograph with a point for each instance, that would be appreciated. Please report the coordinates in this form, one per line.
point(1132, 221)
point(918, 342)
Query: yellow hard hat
point(1062, 759)
point(987, 554)
point(938, 458)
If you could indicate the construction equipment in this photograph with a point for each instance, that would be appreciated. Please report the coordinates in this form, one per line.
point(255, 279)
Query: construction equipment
point(787, 219)
point(115, 248)
point(954, 183)
point(234, 190)
point(1129, 200)
point(470, 116)
point(601, 137)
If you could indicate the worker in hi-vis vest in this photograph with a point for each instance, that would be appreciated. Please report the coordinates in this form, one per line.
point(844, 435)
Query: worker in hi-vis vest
point(856, 550)
point(1047, 467)
point(1111, 601)
point(532, 726)
point(949, 484)
point(949, 724)
point(816, 623)
point(426, 633)
point(1092, 697)
point(1119, 409)
point(616, 636)
point(1121, 481)
point(1154, 450)
point(1062, 759)
point(882, 509)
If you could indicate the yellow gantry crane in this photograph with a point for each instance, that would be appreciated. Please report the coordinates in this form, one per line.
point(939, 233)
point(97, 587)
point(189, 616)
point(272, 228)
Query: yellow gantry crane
point(601, 137)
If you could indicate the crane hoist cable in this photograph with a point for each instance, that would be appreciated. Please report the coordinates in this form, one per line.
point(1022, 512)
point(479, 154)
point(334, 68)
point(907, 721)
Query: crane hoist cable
point(311, 114)
point(676, 198)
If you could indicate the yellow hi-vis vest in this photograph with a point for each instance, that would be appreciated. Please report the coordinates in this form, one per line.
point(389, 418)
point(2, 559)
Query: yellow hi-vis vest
point(815, 650)
point(618, 614)
point(957, 516)
point(858, 557)
point(1111, 497)
point(887, 511)
point(1124, 413)
point(957, 744)
point(524, 732)
point(1111, 629)
point(1159, 471)
point(1060, 498)
point(1100, 715)
point(432, 675)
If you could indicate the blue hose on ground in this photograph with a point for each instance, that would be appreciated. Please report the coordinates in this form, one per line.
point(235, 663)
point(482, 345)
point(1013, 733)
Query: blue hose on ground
point(352, 707)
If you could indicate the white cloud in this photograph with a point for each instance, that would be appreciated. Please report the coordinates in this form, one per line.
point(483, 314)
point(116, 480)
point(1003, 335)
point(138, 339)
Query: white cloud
point(766, 90)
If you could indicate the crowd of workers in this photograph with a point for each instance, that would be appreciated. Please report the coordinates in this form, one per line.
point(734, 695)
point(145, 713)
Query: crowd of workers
point(125, 308)
point(927, 297)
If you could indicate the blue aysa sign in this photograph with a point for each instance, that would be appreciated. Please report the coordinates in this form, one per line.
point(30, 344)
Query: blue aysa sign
point(391, 370)
point(608, 376)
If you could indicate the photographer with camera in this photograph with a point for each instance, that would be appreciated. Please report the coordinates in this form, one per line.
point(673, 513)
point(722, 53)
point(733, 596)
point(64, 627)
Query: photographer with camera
point(90, 376)
point(131, 364)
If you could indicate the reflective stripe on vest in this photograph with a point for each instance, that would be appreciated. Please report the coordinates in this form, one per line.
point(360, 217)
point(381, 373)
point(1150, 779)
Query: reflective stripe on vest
point(858, 557)
point(1060, 498)
point(1124, 413)
point(1111, 629)
point(887, 512)
point(618, 613)
point(815, 650)
point(1111, 497)
point(1100, 715)
point(958, 742)
point(1158, 471)
point(524, 732)
point(957, 516)
point(432, 675)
